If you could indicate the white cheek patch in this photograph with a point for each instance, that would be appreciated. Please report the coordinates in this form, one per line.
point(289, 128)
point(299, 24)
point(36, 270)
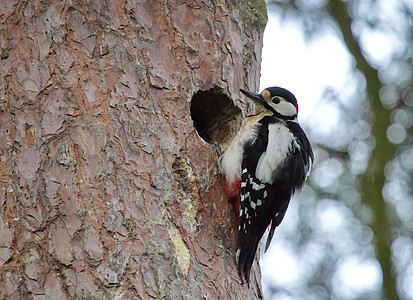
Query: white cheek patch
point(284, 108)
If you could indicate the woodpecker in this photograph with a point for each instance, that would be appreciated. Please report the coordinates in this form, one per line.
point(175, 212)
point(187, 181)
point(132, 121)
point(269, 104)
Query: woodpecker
point(268, 160)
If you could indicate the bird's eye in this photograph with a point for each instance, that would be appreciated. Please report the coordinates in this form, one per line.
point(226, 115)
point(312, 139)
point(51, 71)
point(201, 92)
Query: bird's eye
point(276, 99)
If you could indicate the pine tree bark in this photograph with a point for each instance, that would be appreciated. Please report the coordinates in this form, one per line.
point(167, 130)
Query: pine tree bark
point(106, 187)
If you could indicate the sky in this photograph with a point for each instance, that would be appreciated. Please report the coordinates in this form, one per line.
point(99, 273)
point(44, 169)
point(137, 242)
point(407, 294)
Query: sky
point(307, 68)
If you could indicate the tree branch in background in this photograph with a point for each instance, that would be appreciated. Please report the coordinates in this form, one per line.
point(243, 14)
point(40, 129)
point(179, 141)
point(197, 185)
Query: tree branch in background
point(373, 180)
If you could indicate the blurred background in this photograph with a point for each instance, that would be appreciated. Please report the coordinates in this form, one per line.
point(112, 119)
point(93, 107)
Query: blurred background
point(349, 234)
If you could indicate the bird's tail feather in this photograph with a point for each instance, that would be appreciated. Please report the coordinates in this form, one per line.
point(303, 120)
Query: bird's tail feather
point(246, 258)
point(270, 235)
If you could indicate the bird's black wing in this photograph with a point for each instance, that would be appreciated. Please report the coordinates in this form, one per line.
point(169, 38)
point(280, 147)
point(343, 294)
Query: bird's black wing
point(294, 172)
point(259, 201)
point(263, 203)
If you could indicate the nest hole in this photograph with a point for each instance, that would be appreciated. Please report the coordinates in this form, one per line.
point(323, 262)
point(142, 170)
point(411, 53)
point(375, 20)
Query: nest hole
point(215, 117)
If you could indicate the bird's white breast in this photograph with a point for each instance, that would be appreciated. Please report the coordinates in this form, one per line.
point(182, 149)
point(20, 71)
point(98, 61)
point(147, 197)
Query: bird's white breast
point(232, 159)
point(280, 143)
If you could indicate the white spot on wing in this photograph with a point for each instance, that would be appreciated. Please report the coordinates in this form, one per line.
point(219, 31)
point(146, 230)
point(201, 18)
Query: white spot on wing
point(255, 186)
point(264, 195)
point(253, 205)
point(259, 202)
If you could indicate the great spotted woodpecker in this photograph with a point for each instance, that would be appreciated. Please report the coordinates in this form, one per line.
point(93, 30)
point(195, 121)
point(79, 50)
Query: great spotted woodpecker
point(268, 160)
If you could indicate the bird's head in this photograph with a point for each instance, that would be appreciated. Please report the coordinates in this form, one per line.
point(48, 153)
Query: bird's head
point(281, 102)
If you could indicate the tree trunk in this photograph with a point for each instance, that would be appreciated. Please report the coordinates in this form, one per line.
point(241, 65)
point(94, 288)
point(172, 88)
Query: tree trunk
point(110, 116)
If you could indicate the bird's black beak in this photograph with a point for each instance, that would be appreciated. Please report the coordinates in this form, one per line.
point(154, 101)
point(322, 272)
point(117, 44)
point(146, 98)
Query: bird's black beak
point(254, 96)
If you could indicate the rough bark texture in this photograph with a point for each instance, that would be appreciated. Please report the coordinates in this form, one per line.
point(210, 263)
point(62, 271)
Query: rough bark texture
point(106, 188)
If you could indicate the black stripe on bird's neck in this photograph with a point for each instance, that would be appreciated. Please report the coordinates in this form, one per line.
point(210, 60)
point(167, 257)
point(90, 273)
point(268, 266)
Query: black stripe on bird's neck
point(280, 116)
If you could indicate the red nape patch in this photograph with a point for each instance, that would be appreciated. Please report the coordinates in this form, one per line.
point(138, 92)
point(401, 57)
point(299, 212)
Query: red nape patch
point(232, 191)
point(296, 107)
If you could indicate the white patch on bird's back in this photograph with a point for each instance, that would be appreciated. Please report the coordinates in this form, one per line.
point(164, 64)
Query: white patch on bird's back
point(232, 158)
point(280, 143)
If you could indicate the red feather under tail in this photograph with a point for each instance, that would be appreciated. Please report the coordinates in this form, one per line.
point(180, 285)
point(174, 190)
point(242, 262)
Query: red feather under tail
point(233, 192)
